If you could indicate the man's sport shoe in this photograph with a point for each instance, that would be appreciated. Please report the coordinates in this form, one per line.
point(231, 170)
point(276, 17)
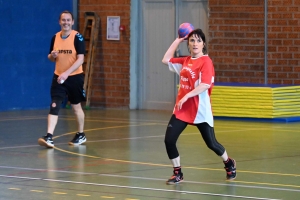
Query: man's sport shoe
point(175, 179)
point(46, 142)
point(231, 171)
point(78, 139)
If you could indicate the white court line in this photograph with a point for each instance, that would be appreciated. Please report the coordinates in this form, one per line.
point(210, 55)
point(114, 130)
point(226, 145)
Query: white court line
point(107, 140)
point(74, 119)
point(134, 138)
point(139, 188)
point(23, 118)
point(67, 117)
point(153, 179)
point(252, 123)
point(17, 147)
point(155, 136)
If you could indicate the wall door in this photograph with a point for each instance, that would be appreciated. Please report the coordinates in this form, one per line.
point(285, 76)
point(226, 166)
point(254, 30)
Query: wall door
point(153, 86)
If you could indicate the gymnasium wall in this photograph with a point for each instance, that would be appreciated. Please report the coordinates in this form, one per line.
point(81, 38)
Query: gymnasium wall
point(26, 30)
point(236, 45)
point(110, 86)
point(236, 41)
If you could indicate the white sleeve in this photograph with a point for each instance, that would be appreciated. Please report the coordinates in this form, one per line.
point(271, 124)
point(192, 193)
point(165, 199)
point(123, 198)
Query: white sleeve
point(175, 67)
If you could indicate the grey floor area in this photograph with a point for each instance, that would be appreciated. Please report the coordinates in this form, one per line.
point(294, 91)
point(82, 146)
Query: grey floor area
point(124, 158)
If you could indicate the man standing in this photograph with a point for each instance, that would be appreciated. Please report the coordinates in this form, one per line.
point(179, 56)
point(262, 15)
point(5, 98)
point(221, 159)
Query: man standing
point(67, 50)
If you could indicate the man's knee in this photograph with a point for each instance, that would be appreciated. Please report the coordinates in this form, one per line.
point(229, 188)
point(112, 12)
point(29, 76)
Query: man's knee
point(54, 107)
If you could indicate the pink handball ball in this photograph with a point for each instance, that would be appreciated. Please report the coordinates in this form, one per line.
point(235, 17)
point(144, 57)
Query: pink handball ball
point(184, 29)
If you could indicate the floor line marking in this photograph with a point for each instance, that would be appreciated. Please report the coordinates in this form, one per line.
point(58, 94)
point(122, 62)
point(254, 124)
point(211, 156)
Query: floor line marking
point(104, 128)
point(66, 117)
point(152, 124)
point(153, 164)
point(219, 184)
point(272, 184)
point(163, 190)
point(61, 193)
point(36, 191)
point(140, 188)
point(131, 199)
point(165, 165)
point(185, 134)
point(14, 188)
point(229, 183)
point(87, 119)
point(18, 147)
point(83, 195)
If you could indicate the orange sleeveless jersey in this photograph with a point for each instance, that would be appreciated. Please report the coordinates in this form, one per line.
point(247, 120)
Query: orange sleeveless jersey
point(67, 53)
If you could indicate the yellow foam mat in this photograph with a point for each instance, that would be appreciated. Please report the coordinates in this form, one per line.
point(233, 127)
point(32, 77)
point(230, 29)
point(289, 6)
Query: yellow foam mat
point(258, 102)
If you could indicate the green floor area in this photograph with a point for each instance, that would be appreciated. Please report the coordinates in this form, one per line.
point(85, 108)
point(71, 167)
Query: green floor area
point(124, 158)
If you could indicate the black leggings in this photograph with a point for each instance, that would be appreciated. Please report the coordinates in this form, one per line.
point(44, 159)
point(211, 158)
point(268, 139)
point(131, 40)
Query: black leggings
point(175, 128)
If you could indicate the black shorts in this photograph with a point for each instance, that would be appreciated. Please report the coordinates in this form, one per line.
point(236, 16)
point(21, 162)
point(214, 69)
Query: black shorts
point(71, 88)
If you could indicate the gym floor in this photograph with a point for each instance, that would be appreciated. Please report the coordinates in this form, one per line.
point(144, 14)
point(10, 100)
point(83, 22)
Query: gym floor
point(124, 158)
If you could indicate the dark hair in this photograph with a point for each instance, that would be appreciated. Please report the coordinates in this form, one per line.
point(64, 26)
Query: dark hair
point(66, 11)
point(199, 33)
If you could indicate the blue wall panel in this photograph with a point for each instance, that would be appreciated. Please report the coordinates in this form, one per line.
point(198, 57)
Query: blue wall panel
point(26, 28)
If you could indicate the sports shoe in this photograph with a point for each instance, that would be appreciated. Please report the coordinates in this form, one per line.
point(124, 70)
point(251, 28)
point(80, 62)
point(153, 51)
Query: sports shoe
point(175, 179)
point(78, 139)
point(231, 170)
point(46, 142)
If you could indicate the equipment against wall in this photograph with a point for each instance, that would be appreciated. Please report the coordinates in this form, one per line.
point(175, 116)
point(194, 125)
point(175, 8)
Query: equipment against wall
point(90, 34)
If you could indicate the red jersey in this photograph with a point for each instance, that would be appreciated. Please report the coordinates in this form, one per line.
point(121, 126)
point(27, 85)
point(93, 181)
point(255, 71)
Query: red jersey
point(192, 72)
